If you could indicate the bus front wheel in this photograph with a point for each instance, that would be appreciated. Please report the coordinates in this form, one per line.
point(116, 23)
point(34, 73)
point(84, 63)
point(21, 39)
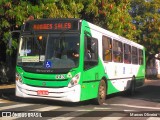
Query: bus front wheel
point(101, 97)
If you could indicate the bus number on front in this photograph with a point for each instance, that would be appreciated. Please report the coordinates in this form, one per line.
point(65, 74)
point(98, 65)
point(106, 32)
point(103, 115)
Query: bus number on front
point(60, 77)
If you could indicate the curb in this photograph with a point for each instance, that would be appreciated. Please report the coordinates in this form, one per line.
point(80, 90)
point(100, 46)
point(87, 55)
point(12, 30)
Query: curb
point(152, 82)
point(5, 86)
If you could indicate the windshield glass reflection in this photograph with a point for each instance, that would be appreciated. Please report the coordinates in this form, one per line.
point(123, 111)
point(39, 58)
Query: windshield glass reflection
point(49, 51)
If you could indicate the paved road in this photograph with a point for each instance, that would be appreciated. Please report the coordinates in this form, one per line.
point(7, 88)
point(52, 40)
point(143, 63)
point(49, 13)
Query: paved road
point(146, 103)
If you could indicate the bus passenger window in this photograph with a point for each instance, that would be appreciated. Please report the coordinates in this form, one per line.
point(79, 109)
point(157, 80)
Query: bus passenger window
point(90, 52)
point(107, 48)
point(134, 55)
point(117, 51)
point(140, 57)
point(127, 54)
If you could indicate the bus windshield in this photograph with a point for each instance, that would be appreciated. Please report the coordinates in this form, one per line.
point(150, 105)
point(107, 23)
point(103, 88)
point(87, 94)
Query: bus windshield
point(49, 51)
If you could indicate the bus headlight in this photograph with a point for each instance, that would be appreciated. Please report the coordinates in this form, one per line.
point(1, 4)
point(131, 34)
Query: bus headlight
point(19, 78)
point(74, 81)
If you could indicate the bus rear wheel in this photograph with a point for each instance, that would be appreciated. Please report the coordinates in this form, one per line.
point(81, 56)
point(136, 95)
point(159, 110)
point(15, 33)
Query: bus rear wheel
point(131, 90)
point(101, 97)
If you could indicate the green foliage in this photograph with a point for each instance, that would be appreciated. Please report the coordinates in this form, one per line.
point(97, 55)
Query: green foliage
point(137, 20)
point(14, 13)
point(146, 18)
point(112, 15)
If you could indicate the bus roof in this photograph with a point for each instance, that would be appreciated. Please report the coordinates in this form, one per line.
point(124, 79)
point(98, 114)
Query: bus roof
point(41, 24)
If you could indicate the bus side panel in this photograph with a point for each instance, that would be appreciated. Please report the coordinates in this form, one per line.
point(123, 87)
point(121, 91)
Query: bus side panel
point(119, 76)
point(91, 76)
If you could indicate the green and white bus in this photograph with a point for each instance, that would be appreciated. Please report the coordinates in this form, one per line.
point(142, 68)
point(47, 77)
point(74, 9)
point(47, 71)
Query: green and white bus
point(74, 60)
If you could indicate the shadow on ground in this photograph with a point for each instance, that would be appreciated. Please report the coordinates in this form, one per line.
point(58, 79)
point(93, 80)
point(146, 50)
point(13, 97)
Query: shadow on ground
point(148, 93)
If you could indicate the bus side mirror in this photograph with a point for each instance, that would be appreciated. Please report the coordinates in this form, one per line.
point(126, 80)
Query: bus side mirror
point(12, 35)
point(10, 40)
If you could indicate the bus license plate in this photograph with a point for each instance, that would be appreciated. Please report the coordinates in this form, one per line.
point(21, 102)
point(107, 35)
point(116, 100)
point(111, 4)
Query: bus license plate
point(42, 92)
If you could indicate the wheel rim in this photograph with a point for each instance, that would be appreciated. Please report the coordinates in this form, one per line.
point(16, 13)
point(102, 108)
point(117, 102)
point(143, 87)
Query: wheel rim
point(102, 92)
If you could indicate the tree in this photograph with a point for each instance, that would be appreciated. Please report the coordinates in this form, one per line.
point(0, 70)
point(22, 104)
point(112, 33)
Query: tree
point(112, 15)
point(14, 13)
point(137, 20)
point(109, 14)
point(146, 14)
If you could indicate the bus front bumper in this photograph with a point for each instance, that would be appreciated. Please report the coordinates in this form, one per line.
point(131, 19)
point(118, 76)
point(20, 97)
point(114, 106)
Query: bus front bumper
point(62, 94)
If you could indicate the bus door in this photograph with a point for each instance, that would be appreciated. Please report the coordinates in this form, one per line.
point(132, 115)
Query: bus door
point(90, 68)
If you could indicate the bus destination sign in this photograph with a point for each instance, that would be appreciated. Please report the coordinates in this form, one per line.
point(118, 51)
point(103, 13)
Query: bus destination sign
point(53, 26)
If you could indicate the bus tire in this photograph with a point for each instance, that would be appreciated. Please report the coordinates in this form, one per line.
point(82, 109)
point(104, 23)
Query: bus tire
point(131, 90)
point(101, 97)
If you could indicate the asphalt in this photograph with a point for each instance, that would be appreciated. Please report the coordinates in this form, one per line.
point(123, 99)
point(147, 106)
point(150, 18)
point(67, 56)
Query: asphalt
point(7, 92)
